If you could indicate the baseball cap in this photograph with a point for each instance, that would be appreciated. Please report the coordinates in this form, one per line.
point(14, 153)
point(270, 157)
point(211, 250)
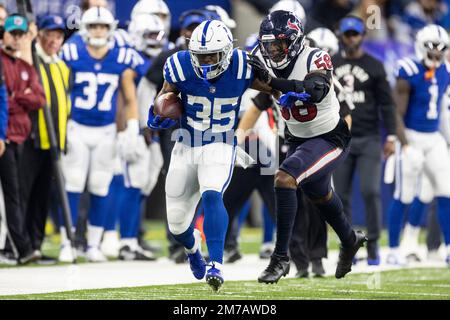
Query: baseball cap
point(196, 16)
point(16, 22)
point(351, 24)
point(51, 22)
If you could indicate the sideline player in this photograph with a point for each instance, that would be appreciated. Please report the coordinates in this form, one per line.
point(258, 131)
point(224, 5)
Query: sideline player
point(421, 85)
point(98, 73)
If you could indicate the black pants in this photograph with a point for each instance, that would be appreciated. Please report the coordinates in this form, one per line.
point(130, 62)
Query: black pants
point(35, 180)
point(242, 184)
point(309, 235)
point(434, 234)
point(15, 216)
point(364, 156)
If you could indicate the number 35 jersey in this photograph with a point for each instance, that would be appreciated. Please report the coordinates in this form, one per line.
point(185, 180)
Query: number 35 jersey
point(308, 120)
point(210, 107)
point(427, 90)
point(95, 82)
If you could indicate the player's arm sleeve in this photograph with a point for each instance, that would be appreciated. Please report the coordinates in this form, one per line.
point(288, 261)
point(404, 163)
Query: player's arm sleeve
point(263, 101)
point(317, 82)
point(318, 79)
point(384, 100)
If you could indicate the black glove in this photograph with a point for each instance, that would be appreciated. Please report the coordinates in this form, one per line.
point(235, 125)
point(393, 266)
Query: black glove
point(259, 69)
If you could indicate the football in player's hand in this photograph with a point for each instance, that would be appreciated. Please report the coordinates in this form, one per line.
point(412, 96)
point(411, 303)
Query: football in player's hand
point(168, 105)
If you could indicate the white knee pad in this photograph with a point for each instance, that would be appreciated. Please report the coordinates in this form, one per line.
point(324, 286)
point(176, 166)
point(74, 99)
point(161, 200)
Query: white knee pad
point(75, 165)
point(99, 182)
point(177, 220)
point(102, 168)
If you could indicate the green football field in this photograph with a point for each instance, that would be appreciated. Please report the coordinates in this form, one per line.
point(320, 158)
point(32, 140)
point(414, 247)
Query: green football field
point(420, 283)
point(398, 284)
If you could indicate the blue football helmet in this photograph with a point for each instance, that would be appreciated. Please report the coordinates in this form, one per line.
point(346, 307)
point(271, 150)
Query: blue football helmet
point(281, 38)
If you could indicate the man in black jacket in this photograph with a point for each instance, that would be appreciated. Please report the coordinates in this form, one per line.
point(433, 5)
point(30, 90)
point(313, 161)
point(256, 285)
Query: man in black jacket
point(364, 79)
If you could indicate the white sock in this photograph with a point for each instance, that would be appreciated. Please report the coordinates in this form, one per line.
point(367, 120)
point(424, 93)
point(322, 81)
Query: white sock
point(394, 250)
point(448, 249)
point(217, 265)
point(64, 238)
point(110, 236)
point(94, 236)
point(411, 233)
point(131, 242)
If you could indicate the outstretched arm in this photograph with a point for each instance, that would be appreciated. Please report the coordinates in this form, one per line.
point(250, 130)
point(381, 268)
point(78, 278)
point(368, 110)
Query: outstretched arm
point(316, 84)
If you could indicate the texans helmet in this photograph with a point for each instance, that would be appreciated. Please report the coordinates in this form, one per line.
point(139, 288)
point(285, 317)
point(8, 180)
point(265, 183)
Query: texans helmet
point(281, 38)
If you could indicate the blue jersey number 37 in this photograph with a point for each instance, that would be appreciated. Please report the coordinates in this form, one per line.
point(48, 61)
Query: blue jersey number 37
point(91, 89)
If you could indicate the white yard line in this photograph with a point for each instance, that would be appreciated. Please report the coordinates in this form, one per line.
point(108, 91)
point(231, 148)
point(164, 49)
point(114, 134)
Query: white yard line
point(28, 280)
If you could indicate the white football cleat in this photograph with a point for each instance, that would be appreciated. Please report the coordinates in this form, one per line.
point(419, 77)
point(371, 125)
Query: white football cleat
point(94, 254)
point(410, 243)
point(395, 258)
point(67, 254)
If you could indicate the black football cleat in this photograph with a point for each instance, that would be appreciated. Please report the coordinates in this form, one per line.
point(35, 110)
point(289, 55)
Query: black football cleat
point(346, 255)
point(317, 268)
point(277, 268)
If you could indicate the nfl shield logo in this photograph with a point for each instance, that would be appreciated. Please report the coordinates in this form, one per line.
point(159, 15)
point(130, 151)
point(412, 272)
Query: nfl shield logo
point(24, 75)
point(18, 21)
point(212, 89)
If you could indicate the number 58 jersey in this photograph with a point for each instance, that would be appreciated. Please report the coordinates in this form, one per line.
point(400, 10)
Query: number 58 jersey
point(307, 120)
point(210, 107)
point(95, 82)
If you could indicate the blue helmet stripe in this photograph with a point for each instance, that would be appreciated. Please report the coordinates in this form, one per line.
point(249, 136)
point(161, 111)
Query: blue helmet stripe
point(205, 29)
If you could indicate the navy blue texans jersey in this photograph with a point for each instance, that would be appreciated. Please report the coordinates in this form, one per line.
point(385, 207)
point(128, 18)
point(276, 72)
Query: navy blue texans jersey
point(95, 82)
point(427, 90)
point(210, 107)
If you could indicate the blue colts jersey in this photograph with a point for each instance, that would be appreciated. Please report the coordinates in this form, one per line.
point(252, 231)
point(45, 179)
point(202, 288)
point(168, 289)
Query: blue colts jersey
point(210, 107)
point(427, 90)
point(95, 82)
point(142, 65)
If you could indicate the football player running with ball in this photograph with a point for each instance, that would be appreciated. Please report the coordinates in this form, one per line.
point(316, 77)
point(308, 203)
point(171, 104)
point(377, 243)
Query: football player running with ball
point(210, 77)
point(318, 138)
